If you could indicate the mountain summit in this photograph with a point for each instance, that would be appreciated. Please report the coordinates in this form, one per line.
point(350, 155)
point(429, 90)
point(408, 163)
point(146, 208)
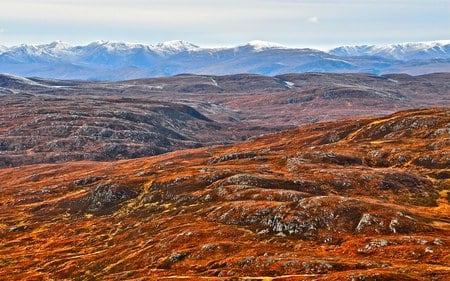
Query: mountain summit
point(405, 51)
point(104, 60)
point(259, 45)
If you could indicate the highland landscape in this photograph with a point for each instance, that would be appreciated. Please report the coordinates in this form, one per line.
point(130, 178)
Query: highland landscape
point(48, 121)
point(355, 199)
point(278, 140)
point(237, 177)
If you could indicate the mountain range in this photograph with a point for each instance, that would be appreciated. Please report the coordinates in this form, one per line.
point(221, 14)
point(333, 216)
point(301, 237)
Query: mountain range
point(103, 60)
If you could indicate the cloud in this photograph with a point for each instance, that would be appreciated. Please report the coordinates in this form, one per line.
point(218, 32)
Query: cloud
point(313, 20)
point(219, 22)
point(2, 30)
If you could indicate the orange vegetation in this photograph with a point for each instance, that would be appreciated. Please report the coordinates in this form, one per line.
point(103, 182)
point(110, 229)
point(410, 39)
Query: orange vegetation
point(364, 199)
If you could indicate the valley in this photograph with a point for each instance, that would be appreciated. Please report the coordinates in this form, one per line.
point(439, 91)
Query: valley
point(48, 121)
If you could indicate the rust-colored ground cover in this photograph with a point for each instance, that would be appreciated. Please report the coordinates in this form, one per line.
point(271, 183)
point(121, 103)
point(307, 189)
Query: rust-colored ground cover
point(356, 199)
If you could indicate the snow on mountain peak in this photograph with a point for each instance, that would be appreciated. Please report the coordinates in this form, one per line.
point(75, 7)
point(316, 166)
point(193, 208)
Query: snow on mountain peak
point(99, 42)
point(132, 60)
point(263, 45)
point(402, 51)
point(55, 47)
point(59, 44)
point(115, 46)
point(175, 46)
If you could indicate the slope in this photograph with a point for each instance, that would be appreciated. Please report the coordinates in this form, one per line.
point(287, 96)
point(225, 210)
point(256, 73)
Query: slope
point(48, 121)
point(355, 199)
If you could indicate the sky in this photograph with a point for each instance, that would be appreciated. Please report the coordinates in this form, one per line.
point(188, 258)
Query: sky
point(212, 23)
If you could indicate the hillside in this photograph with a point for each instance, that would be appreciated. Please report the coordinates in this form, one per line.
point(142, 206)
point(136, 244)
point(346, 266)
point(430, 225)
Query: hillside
point(46, 129)
point(355, 199)
point(48, 121)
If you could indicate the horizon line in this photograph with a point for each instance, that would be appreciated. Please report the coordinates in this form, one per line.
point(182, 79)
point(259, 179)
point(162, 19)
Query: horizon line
point(321, 47)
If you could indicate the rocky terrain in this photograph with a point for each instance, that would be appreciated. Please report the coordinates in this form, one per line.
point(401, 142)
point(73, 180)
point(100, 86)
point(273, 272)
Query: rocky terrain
point(48, 121)
point(45, 129)
point(355, 199)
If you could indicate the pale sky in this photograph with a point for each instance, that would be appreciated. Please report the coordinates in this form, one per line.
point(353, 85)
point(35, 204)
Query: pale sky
point(297, 23)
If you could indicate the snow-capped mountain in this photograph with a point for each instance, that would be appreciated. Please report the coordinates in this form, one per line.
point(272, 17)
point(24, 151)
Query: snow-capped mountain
point(405, 51)
point(258, 45)
point(173, 47)
point(3, 49)
point(104, 60)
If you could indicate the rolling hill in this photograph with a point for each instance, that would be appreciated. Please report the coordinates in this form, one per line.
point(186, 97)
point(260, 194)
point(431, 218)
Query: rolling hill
point(48, 121)
point(354, 199)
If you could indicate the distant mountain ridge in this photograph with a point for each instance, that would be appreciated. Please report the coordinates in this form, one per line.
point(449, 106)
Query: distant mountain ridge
point(405, 51)
point(104, 60)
